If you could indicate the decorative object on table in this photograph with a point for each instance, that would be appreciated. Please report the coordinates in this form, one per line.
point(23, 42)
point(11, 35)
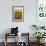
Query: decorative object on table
point(14, 30)
point(18, 13)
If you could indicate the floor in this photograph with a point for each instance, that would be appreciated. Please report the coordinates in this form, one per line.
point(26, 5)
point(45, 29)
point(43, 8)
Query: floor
point(13, 44)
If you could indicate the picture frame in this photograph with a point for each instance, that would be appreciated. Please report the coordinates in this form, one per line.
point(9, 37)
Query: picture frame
point(17, 13)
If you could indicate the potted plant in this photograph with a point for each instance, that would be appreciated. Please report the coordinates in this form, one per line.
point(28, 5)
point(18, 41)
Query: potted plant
point(38, 27)
point(35, 26)
point(39, 35)
point(42, 27)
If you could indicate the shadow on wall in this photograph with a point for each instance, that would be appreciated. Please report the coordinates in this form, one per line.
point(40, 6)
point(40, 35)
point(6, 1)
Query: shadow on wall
point(7, 31)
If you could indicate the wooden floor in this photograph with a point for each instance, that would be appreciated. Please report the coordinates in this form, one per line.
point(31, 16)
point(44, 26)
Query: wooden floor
point(13, 44)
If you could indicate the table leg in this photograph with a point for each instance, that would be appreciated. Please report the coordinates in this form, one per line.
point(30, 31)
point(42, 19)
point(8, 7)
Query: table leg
point(5, 40)
point(17, 39)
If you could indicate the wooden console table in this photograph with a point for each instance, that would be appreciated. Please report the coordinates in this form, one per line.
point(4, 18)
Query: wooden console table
point(8, 34)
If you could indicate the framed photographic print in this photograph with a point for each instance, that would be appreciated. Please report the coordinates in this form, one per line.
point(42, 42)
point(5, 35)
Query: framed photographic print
point(17, 13)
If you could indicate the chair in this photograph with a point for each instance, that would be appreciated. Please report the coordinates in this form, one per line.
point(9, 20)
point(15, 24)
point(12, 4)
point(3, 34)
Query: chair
point(26, 37)
point(14, 32)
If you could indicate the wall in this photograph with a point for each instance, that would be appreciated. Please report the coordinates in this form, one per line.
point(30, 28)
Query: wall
point(6, 15)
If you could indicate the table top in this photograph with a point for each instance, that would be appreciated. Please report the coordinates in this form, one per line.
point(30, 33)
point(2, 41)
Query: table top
point(9, 34)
